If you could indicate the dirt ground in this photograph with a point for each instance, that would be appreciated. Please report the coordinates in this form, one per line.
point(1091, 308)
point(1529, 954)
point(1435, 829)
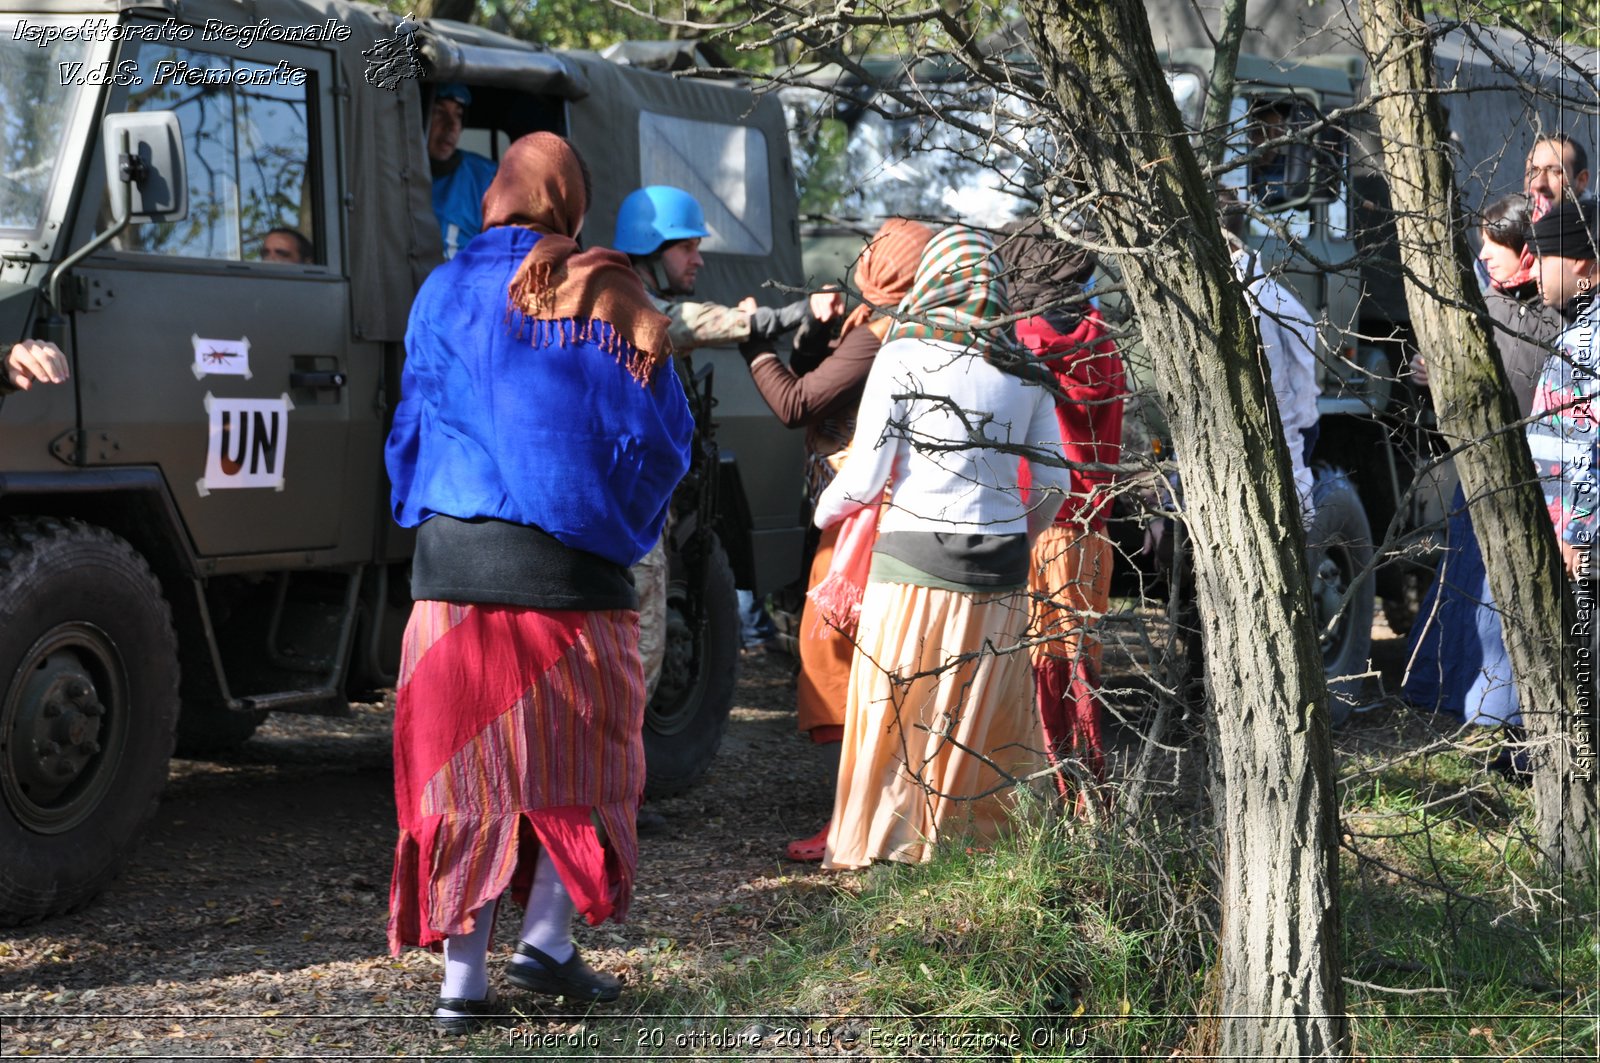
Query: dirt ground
point(250, 923)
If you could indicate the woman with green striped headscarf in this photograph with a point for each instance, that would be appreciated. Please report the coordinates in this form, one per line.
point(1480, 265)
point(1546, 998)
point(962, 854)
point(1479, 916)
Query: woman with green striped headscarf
point(958, 294)
point(938, 712)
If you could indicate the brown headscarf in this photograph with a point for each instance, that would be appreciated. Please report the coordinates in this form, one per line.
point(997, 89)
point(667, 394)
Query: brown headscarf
point(1044, 269)
point(539, 186)
point(886, 268)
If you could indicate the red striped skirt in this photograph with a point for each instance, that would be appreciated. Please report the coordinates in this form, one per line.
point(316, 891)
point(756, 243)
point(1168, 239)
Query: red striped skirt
point(514, 729)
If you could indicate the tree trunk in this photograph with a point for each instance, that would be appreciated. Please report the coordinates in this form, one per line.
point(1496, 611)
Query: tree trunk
point(1219, 92)
point(1474, 403)
point(1282, 993)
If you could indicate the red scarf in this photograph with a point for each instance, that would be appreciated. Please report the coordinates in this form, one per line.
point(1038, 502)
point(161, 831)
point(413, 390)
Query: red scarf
point(1089, 410)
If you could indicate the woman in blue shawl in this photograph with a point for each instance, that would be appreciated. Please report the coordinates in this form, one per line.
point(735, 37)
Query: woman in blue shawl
point(539, 435)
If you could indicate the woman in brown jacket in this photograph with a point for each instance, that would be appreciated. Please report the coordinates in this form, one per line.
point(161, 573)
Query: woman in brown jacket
point(820, 391)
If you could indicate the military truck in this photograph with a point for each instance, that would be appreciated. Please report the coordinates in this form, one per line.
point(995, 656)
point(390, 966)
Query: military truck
point(195, 531)
point(864, 154)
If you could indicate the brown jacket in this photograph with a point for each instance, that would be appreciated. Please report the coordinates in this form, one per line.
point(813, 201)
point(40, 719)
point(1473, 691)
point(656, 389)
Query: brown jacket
point(817, 388)
point(1525, 331)
point(820, 394)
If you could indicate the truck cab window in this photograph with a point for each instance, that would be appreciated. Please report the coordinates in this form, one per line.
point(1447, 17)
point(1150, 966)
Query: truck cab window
point(247, 137)
point(1293, 173)
point(36, 105)
point(722, 166)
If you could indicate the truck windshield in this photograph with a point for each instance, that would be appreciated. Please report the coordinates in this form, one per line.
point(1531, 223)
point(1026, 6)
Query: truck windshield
point(39, 89)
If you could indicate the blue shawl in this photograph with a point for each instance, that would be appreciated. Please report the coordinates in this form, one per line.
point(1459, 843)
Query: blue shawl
point(532, 422)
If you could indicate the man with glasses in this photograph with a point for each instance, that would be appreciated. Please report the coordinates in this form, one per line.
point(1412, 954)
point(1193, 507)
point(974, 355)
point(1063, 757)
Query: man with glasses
point(1558, 171)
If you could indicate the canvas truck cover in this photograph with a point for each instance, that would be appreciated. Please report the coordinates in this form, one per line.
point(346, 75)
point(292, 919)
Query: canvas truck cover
point(627, 108)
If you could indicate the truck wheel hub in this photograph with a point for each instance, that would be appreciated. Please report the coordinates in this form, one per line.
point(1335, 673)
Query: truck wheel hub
point(677, 675)
point(56, 728)
point(1329, 591)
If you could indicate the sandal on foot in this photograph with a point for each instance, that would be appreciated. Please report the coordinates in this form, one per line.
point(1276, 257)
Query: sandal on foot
point(572, 979)
point(461, 1015)
point(809, 850)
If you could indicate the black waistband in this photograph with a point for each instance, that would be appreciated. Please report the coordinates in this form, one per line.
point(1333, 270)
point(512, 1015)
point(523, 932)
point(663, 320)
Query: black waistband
point(972, 560)
point(492, 562)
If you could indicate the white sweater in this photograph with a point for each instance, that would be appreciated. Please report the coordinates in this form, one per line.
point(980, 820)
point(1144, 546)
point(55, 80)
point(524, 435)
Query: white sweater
point(945, 478)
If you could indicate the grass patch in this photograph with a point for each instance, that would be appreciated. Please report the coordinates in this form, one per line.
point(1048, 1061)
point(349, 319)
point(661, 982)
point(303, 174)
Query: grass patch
point(1065, 942)
point(1444, 907)
point(1052, 944)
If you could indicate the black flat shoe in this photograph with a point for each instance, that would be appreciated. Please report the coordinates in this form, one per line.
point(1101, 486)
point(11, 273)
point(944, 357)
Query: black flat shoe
point(461, 1015)
point(573, 979)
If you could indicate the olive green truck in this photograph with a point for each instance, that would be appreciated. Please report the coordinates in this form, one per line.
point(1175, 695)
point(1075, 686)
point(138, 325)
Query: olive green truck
point(194, 530)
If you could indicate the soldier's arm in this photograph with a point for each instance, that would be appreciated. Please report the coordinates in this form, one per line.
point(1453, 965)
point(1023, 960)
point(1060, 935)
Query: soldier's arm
point(713, 325)
point(694, 325)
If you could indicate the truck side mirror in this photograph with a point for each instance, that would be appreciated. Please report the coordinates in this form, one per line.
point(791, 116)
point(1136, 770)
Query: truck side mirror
point(1296, 188)
point(145, 182)
point(145, 177)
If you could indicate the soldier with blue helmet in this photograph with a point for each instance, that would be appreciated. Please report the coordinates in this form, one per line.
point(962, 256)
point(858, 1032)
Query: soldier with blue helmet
point(659, 228)
point(460, 178)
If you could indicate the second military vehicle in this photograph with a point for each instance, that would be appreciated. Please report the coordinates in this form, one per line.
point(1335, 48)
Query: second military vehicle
point(867, 147)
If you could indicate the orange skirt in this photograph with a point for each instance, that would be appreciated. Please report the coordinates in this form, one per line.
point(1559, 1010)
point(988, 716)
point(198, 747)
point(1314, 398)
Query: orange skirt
point(825, 653)
point(1070, 585)
point(514, 729)
point(940, 720)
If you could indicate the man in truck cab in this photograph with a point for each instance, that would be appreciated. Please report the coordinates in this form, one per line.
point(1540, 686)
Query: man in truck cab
point(287, 246)
point(1269, 174)
point(460, 178)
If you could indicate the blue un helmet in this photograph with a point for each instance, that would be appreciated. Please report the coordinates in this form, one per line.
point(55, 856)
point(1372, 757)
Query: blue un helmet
point(453, 90)
point(657, 215)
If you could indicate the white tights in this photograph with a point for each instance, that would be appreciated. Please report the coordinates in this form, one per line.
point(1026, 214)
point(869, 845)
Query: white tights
point(547, 926)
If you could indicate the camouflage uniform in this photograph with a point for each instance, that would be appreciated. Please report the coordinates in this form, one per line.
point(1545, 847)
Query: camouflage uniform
point(702, 324)
point(693, 325)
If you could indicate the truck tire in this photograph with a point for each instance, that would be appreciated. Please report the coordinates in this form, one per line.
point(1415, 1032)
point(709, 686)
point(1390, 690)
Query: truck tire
point(206, 729)
point(88, 705)
point(685, 720)
point(1339, 554)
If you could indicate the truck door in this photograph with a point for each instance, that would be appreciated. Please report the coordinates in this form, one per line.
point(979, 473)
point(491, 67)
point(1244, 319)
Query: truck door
point(214, 348)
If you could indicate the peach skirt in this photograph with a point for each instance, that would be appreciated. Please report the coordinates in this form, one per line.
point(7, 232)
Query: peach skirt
point(1070, 584)
point(939, 720)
